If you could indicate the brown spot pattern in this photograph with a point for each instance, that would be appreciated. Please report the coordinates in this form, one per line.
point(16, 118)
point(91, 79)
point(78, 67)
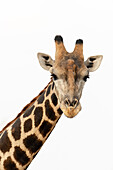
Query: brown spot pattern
point(54, 99)
point(21, 156)
point(5, 143)
point(49, 111)
point(53, 85)
point(9, 164)
point(27, 125)
point(16, 129)
point(59, 111)
point(28, 111)
point(48, 90)
point(38, 113)
point(32, 143)
point(41, 98)
point(45, 128)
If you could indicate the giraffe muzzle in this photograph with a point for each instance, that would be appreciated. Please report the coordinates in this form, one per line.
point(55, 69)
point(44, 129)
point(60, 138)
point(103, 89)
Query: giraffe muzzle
point(71, 109)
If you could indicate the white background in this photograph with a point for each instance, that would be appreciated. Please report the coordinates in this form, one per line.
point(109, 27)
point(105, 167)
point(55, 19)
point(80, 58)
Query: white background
point(27, 27)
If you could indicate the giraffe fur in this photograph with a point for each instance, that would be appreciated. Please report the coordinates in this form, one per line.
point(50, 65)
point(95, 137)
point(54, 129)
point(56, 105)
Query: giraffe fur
point(27, 133)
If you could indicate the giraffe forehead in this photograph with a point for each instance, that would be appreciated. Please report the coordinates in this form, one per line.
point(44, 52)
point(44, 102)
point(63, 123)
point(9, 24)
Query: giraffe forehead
point(68, 64)
point(71, 65)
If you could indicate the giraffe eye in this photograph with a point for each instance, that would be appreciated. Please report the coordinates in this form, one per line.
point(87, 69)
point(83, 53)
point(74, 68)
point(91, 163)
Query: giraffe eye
point(85, 78)
point(54, 76)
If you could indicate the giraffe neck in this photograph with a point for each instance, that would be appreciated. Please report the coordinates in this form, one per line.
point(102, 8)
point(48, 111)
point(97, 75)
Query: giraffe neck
point(22, 140)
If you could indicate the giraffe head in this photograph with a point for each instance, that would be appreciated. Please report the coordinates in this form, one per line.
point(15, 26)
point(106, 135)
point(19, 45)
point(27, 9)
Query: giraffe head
point(69, 72)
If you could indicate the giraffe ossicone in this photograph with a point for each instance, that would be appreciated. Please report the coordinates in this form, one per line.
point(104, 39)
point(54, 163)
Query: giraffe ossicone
point(23, 137)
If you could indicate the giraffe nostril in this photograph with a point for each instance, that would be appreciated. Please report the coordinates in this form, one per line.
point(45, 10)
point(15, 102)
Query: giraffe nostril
point(69, 103)
point(74, 102)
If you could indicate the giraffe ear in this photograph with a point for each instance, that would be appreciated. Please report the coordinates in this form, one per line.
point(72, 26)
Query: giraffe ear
point(93, 62)
point(45, 61)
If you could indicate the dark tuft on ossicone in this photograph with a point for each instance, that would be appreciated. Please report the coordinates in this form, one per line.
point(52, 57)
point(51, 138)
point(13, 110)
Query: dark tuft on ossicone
point(58, 38)
point(79, 41)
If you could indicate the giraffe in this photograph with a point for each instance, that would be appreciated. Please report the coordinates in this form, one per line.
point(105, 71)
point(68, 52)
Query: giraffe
point(22, 138)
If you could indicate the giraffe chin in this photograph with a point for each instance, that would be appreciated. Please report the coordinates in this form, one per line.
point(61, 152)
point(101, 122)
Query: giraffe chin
point(71, 112)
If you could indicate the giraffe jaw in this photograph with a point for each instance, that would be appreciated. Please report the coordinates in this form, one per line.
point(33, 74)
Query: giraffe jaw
point(71, 112)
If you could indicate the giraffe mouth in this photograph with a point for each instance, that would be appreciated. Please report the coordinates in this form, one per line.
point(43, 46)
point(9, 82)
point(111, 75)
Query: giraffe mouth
point(71, 112)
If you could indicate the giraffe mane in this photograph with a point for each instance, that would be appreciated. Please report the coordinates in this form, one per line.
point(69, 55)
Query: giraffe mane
point(25, 108)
